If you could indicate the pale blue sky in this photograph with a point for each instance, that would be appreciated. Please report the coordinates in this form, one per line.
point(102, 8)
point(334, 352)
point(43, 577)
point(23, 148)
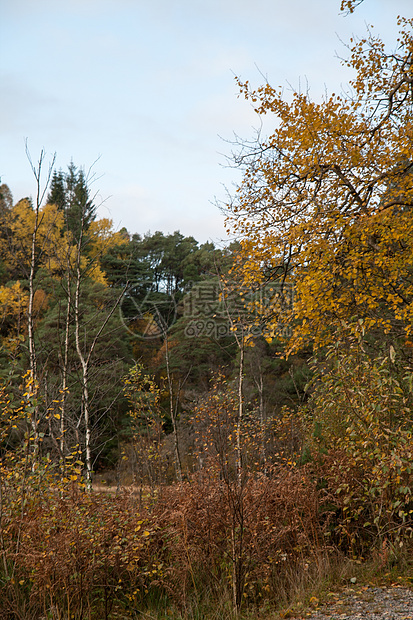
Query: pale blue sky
point(148, 86)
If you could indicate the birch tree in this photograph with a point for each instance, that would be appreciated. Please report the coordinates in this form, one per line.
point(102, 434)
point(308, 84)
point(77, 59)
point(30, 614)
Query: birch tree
point(41, 189)
point(326, 200)
point(85, 346)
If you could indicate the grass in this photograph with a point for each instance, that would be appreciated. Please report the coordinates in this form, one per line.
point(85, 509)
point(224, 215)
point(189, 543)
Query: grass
point(174, 553)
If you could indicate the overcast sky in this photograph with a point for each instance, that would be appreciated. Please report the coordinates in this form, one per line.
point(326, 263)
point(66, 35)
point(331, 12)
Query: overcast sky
point(147, 87)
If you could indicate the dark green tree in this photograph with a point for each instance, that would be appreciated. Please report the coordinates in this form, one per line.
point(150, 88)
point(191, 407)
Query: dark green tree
point(70, 191)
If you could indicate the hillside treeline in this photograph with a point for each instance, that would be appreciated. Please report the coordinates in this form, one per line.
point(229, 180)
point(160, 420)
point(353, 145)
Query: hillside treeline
point(85, 309)
point(122, 359)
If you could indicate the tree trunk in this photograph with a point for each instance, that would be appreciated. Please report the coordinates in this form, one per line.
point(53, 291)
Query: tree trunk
point(240, 411)
point(84, 362)
point(33, 385)
point(173, 412)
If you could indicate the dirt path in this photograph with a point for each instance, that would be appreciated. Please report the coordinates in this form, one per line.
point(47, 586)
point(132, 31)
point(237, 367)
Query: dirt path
point(372, 602)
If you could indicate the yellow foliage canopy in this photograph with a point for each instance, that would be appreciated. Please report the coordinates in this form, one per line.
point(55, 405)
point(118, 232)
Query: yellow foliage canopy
point(13, 301)
point(326, 200)
point(56, 250)
point(51, 241)
point(102, 239)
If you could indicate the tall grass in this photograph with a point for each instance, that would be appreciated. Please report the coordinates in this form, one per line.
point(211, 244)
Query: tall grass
point(77, 555)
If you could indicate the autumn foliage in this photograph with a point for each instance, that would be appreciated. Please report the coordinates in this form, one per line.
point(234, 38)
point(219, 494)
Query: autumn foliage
point(325, 202)
point(259, 468)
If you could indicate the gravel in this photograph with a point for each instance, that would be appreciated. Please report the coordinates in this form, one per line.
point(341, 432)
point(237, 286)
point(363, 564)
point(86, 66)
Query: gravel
point(372, 602)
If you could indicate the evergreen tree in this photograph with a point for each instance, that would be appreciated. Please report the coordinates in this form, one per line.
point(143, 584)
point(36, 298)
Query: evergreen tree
point(57, 193)
point(70, 192)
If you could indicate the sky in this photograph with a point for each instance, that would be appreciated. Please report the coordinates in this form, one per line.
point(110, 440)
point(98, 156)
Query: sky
point(144, 92)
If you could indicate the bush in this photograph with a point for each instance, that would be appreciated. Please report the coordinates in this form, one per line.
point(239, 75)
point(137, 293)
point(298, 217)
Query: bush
point(361, 411)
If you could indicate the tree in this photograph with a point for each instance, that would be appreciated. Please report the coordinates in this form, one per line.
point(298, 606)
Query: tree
point(57, 193)
point(349, 5)
point(59, 357)
point(6, 204)
point(88, 248)
point(6, 198)
point(70, 192)
point(13, 323)
point(38, 217)
point(58, 314)
point(146, 419)
point(326, 200)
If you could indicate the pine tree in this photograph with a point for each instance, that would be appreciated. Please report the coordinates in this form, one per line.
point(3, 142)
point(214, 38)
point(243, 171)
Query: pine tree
point(69, 191)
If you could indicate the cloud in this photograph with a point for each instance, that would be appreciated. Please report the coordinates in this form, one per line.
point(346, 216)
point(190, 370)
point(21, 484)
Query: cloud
point(148, 84)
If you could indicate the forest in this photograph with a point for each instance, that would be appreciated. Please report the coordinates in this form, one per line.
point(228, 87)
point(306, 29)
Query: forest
point(192, 431)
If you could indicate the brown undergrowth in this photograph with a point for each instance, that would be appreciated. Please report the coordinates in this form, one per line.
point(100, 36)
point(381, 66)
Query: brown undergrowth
point(206, 548)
